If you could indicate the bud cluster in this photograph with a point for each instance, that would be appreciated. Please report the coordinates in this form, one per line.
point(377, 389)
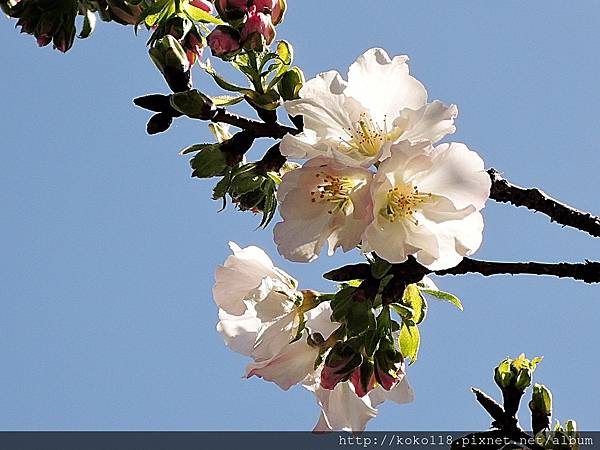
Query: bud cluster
point(514, 377)
point(48, 21)
point(250, 25)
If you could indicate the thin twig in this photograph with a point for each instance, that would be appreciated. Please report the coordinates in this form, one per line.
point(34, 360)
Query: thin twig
point(537, 200)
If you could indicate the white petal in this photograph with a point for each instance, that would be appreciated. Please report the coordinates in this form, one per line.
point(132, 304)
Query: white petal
point(302, 146)
point(345, 411)
point(430, 123)
point(239, 332)
point(383, 85)
point(287, 368)
point(242, 273)
point(318, 320)
point(275, 336)
point(401, 393)
point(457, 174)
point(322, 105)
point(456, 238)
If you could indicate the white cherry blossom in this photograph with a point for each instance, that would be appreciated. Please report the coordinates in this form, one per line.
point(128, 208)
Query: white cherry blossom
point(266, 323)
point(243, 273)
point(426, 203)
point(322, 202)
point(357, 120)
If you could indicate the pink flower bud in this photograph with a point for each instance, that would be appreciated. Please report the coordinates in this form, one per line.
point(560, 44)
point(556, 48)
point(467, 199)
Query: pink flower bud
point(275, 8)
point(205, 5)
point(223, 40)
point(363, 380)
point(258, 23)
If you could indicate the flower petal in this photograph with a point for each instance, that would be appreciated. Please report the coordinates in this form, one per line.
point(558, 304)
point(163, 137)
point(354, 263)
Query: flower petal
point(287, 368)
point(383, 85)
point(430, 123)
point(458, 174)
point(242, 273)
point(239, 332)
point(401, 393)
point(318, 320)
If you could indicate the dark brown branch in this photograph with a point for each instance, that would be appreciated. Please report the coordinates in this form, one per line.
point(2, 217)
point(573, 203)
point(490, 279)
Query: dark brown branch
point(537, 200)
point(588, 271)
point(259, 129)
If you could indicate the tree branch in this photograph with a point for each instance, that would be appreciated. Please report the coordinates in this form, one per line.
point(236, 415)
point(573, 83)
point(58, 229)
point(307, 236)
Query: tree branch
point(537, 200)
point(588, 271)
point(259, 129)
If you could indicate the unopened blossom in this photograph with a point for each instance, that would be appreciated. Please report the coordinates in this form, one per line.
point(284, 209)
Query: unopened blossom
point(426, 203)
point(357, 120)
point(257, 25)
point(275, 8)
point(322, 202)
point(343, 410)
point(223, 41)
point(249, 272)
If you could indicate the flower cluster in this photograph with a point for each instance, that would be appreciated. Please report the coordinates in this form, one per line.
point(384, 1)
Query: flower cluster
point(374, 177)
point(289, 333)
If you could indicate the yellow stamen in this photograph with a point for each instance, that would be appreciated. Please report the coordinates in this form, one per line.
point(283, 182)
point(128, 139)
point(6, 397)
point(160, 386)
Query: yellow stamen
point(366, 137)
point(337, 191)
point(402, 203)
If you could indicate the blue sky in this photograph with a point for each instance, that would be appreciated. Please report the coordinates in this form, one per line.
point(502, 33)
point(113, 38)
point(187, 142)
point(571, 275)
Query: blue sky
point(109, 247)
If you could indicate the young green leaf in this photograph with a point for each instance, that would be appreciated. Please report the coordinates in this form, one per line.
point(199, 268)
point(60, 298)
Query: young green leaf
point(441, 295)
point(414, 299)
point(409, 341)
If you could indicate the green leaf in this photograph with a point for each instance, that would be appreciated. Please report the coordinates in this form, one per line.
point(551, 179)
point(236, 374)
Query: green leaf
point(222, 187)
point(160, 10)
point(200, 15)
point(195, 148)
point(285, 54)
point(414, 299)
point(441, 295)
point(222, 83)
point(405, 312)
point(226, 100)
point(409, 341)
point(89, 24)
point(209, 162)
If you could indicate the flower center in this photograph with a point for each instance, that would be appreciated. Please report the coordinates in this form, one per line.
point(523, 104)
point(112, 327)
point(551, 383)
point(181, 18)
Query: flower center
point(402, 203)
point(335, 190)
point(366, 137)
